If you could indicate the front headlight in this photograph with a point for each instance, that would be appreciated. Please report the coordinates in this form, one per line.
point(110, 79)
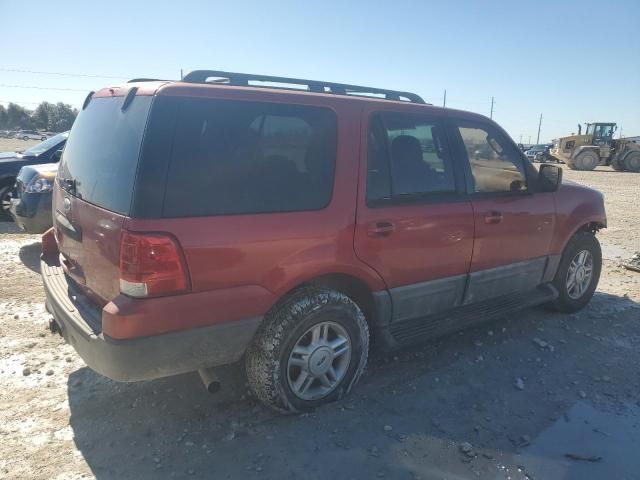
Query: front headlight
point(39, 185)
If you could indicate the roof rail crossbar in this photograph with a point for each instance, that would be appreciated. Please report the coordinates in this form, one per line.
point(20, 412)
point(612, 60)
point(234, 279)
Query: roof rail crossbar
point(243, 79)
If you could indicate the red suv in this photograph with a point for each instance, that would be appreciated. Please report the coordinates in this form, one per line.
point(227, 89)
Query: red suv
point(280, 221)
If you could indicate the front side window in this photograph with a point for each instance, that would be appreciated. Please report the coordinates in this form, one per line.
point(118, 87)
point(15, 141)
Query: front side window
point(407, 157)
point(604, 131)
point(234, 157)
point(495, 165)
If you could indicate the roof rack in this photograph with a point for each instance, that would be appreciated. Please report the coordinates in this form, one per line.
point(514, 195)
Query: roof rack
point(285, 83)
point(133, 80)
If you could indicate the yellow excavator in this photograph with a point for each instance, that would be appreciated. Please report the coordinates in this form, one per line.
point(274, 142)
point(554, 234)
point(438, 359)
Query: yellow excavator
point(597, 147)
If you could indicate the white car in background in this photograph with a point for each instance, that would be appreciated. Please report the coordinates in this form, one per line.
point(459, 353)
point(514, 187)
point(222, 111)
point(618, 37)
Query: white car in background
point(30, 135)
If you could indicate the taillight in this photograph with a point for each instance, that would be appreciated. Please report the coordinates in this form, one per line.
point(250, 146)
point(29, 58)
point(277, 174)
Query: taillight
point(151, 264)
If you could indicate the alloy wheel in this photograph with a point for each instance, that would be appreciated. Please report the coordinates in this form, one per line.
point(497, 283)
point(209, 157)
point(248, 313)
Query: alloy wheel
point(579, 274)
point(319, 361)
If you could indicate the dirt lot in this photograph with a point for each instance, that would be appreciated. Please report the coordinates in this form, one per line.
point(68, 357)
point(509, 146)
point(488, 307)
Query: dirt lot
point(13, 144)
point(524, 392)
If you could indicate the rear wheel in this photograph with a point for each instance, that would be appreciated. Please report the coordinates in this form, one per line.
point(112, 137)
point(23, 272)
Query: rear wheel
point(578, 273)
point(587, 160)
point(632, 162)
point(25, 138)
point(310, 350)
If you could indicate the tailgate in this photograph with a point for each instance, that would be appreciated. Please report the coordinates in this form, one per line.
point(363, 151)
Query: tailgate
point(89, 243)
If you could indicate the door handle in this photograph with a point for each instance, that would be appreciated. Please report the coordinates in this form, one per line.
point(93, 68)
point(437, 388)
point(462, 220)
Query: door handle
point(493, 217)
point(381, 229)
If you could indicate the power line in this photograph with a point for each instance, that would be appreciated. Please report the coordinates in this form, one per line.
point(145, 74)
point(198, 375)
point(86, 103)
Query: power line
point(62, 74)
point(45, 88)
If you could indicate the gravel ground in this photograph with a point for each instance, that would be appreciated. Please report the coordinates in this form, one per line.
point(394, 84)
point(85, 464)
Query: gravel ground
point(539, 395)
point(13, 144)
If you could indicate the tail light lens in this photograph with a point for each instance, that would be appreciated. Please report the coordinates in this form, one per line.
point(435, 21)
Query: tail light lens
point(151, 265)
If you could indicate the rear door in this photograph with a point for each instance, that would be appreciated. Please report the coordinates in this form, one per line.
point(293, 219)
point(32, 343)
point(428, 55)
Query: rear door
point(513, 223)
point(93, 191)
point(414, 223)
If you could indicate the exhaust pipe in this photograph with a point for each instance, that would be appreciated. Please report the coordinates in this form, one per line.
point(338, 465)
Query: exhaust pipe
point(210, 380)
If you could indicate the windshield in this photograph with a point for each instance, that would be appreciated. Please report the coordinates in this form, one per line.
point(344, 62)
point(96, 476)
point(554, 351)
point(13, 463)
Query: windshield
point(47, 144)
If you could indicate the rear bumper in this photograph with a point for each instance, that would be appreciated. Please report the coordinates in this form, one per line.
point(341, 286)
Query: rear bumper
point(140, 358)
point(32, 212)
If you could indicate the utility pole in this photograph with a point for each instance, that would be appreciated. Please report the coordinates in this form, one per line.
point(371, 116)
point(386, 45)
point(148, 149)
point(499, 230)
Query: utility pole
point(539, 126)
point(491, 114)
point(520, 138)
point(529, 139)
point(181, 75)
point(444, 103)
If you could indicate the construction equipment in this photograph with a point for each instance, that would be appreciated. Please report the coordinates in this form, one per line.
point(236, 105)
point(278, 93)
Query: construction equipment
point(597, 147)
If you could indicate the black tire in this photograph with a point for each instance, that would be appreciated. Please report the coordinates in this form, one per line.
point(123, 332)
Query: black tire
point(25, 138)
point(5, 196)
point(580, 242)
point(571, 165)
point(267, 357)
point(586, 160)
point(617, 165)
point(43, 139)
point(632, 162)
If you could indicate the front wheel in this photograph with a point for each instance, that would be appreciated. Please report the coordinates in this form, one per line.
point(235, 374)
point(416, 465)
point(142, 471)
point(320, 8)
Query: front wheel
point(310, 350)
point(587, 160)
point(578, 273)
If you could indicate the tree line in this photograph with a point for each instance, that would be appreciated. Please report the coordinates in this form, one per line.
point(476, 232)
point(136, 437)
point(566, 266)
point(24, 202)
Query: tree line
point(52, 117)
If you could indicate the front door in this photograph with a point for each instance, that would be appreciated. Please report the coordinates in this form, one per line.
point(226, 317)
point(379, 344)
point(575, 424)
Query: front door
point(513, 223)
point(414, 222)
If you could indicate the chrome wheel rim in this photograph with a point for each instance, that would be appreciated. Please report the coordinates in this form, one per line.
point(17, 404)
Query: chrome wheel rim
point(319, 361)
point(579, 274)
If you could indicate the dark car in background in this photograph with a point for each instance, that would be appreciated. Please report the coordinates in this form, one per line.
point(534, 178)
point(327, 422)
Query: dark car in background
point(31, 201)
point(538, 153)
point(48, 151)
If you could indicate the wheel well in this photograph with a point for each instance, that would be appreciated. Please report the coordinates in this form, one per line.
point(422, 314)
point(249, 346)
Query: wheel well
point(591, 227)
point(352, 287)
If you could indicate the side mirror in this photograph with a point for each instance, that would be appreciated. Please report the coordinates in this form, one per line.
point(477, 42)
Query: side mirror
point(57, 155)
point(549, 177)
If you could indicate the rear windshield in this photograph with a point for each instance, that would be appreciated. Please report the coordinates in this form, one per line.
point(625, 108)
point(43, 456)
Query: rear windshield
point(101, 155)
point(233, 157)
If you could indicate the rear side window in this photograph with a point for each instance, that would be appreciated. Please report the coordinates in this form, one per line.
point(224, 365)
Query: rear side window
point(496, 165)
point(234, 157)
point(101, 154)
point(407, 157)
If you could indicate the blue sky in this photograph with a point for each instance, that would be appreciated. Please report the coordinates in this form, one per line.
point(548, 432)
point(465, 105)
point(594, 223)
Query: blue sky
point(572, 61)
